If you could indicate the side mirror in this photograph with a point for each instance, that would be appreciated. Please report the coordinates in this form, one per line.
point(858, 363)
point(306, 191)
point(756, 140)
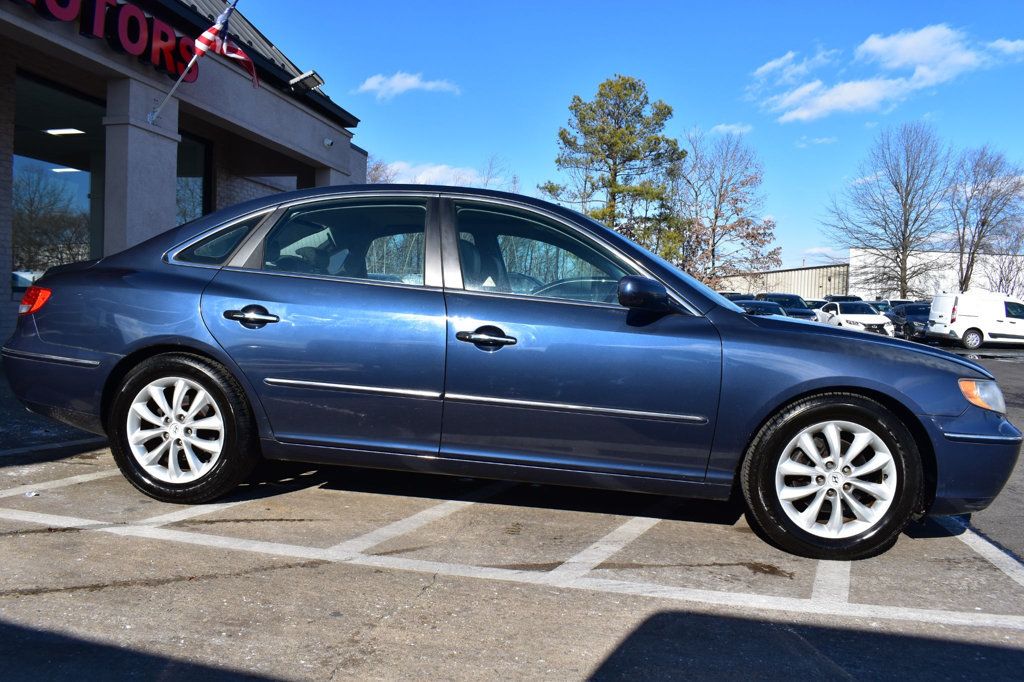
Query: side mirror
point(641, 293)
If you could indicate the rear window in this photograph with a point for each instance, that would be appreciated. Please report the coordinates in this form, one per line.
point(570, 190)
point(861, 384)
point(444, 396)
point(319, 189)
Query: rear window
point(215, 249)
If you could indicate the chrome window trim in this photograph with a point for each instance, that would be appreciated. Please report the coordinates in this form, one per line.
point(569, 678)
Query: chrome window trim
point(587, 238)
point(571, 407)
point(171, 255)
point(332, 278)
point(43, 357)
point(355, 388)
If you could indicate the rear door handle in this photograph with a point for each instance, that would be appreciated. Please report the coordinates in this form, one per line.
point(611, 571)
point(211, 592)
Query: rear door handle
point(490, 338)
point(252, 316)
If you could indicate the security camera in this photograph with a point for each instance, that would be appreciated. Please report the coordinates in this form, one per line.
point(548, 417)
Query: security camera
point(328, 142)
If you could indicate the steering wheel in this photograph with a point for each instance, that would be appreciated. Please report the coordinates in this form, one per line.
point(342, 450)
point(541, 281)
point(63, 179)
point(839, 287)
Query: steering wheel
point(294, 264)
point(548, 289)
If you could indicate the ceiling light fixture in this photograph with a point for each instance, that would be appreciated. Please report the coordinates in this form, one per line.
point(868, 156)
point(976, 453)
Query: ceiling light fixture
point(64, 131)
point(66, 170)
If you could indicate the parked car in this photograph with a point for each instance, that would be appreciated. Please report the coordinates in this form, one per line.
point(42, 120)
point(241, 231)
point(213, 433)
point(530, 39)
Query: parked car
point(837, 298)
point(910, 320)
point(735, 295)
point(893, 302)
point(857, 315)
point(756, 307)
point(881, 306)
point(478, 333)
point(791, 303)
point(976, 318)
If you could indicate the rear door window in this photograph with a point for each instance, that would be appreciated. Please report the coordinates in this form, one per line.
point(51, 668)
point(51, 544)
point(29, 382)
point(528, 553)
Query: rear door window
point(378, 242)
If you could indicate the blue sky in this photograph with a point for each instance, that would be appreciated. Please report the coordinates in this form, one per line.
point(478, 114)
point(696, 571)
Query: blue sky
point(441, 87)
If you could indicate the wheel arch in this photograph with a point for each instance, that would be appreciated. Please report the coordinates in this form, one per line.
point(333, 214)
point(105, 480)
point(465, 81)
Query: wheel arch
point(141, 354)
point(917, 430)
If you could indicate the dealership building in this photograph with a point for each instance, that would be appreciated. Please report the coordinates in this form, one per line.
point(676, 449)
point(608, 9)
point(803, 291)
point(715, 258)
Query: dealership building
point(83, 172)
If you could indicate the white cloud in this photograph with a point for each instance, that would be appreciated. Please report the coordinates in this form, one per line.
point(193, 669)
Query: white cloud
point(1010, 47)
point(825, 253)
point(899, 65)
point(731, 129)
point(434, 174)
point(805, 141)
point(400, 82)
point(936, 54)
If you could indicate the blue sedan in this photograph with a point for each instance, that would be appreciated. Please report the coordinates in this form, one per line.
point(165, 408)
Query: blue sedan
point(477, 333)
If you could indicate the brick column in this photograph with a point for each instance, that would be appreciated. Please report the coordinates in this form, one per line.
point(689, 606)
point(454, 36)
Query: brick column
point(141, 165)
point(8, 308)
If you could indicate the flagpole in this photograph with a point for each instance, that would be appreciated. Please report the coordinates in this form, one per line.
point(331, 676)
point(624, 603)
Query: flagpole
point(152, 116)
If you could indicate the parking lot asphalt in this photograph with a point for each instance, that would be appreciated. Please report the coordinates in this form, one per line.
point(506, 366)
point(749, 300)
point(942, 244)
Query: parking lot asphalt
point(323, 573)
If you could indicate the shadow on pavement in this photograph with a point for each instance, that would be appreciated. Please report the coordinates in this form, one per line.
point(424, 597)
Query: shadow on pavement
point(30, 654)
point(434, 486)
point(675, 645)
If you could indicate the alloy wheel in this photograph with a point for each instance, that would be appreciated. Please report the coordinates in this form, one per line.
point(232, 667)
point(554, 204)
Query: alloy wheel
point(836, 479)
point(175, 430)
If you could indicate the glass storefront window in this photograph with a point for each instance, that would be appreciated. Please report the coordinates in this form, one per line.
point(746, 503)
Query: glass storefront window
point(58, 180)
point(193, 179)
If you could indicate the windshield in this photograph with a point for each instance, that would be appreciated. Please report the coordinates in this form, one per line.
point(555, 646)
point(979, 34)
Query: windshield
point(786, 300)
point(857, 308)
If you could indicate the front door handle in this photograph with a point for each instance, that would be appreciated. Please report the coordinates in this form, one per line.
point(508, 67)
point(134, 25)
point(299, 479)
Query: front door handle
point(486, 338)
point(252, 316)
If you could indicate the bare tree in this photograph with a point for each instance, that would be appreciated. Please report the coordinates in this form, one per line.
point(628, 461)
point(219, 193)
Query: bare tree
point(47, 230)
point(986, 201)
point(717, 200)
point(894, 210)
point(1004, 270)
point(380, 172)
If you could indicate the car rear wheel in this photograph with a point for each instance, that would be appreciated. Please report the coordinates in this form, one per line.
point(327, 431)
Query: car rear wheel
point(835, 476)
point(972, 339)
point(181, 429)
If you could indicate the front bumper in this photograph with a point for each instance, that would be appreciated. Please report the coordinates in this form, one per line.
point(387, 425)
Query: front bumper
point(975, 454)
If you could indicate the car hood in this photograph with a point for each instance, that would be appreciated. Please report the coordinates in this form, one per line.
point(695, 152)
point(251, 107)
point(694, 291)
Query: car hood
point(867, 319)
point(846, 335)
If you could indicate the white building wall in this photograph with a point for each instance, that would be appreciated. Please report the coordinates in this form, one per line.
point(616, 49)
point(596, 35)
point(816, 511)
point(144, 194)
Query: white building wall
point(941, 275)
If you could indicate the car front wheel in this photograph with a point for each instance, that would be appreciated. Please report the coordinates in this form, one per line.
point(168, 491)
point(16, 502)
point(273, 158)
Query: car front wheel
point(835, 476)
point(181, 430)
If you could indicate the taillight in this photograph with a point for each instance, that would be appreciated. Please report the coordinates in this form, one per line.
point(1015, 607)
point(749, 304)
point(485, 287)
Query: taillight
point(33, 300)
point(952, 315)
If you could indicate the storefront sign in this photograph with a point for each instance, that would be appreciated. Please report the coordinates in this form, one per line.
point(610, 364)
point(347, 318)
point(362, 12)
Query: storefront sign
point(127, 29)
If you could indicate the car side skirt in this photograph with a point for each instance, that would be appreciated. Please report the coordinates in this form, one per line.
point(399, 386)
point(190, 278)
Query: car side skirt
point(429, 464)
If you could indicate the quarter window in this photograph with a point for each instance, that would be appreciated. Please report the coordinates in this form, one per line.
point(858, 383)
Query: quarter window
point(215, 249)
point(514, 253)
point(379, 242)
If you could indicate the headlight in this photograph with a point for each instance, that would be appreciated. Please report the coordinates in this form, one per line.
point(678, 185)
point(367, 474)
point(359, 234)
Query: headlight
point(854, 323)
point(984, 393)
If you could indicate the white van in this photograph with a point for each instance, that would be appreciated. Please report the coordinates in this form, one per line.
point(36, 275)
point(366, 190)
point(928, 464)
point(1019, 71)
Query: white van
point(975, 318)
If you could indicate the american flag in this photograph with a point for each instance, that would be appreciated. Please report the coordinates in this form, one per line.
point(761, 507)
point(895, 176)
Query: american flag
point(216, 38)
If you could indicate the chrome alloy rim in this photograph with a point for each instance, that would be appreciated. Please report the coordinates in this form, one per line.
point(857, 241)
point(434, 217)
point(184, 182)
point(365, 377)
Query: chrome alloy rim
point(175, 430)
point(836, 479)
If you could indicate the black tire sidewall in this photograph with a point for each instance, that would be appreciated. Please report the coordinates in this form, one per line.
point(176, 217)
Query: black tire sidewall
point(760, 483)
point(233, 457)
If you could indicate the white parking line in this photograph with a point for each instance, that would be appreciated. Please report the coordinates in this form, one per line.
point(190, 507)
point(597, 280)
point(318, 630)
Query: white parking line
point(697, 597)
point(189, 513)
point(416, 521)
point(59, 483)
point(832, 582)
point(608, 546)
point(983, 547)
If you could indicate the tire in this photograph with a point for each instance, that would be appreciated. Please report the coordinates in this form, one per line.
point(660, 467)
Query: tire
point(776, 449)
point(210, 459)
point(908, 332)
point(972, 339)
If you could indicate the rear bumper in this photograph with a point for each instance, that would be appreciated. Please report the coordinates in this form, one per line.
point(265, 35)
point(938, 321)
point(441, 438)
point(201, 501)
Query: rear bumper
point(975, 454)
point(64, 388)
